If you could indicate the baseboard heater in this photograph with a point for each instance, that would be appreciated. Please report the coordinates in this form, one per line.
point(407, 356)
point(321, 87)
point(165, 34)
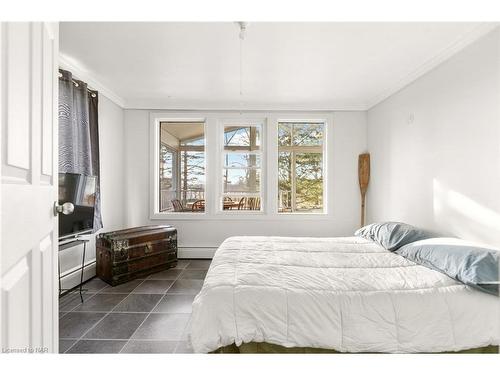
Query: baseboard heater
point(196, 252)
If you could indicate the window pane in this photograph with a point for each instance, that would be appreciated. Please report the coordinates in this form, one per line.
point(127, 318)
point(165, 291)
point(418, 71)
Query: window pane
point(241, 160)
point(241, 203)
point(193, 142)
point(241, 180)
point(309, 182)
point(166, 167)
point(284, 134)
point(308, 134)
point(241, 172)
point(284, 181)
point(192, 177)
point(241, 137)
point(300, 167)
point(167, 183)
point(182, 167)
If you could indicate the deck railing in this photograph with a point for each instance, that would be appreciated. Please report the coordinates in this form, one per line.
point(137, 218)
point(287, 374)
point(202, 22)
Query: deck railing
point(190, 196)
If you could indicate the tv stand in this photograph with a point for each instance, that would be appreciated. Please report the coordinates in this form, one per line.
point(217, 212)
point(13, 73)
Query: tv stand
point(68, 245)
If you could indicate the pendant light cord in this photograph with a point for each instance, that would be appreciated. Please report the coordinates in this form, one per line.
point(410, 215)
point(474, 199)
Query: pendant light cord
point(241, 67)
point(242, 38)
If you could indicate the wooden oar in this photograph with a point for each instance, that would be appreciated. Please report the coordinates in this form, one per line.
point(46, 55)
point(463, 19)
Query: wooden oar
point(364, 179)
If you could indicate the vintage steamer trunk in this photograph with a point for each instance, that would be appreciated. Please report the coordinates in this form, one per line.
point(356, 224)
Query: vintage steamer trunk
point(125, 255)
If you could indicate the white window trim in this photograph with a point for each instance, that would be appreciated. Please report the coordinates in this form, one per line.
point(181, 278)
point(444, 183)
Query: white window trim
point(270, 165)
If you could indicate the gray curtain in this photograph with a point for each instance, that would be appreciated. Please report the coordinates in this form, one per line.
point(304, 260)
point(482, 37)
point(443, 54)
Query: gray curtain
point(79, 133)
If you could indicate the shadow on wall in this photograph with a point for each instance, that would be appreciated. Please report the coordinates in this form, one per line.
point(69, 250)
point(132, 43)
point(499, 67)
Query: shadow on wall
point(459, 215)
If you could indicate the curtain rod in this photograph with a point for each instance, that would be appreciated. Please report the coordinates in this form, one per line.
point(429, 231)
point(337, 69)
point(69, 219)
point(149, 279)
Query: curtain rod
point(93, 92)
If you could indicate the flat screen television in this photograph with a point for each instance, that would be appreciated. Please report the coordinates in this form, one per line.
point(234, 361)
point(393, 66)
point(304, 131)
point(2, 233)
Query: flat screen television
point(78, 189)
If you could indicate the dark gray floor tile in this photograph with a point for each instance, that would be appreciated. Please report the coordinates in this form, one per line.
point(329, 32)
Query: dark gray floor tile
point(139, 303)
point(151, 347)
point(116, 326)
point(176, 303)
point(170, 274)
point(193, 274)
point(65, 345)
point(98, 346)
point(199, 264)
point(69, 301)
point(75, 324)
point(182, 263)
point(186, 335)
point(184, 347)
point(122, 288)
point(186, 286)
point(153, 287)
point(101, 302)
point(162, 327)
point(94, 285)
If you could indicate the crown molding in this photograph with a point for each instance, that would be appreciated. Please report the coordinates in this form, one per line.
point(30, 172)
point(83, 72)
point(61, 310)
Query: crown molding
point(462, 42)
point(183, 105)
point(66, 64)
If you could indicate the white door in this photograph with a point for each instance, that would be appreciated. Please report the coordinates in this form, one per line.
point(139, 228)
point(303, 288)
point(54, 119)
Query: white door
point(28, 114)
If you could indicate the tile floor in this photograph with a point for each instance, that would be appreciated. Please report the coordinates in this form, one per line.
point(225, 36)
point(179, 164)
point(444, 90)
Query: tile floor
point(151, 315)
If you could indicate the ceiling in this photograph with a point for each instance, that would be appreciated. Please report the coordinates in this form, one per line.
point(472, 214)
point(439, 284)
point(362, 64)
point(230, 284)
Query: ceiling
point(183, 130)
point(286, 66)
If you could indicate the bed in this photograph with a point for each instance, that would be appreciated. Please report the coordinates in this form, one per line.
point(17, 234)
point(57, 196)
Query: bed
point(343, 294)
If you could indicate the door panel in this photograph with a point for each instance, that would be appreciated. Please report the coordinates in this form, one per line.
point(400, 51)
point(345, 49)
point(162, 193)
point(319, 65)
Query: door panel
point(16, 306)
point(17, 80)
point(28, 111)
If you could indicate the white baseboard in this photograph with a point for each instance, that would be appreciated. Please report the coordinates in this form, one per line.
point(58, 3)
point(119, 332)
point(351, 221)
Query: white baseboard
point(196, 252)
point(73, 279)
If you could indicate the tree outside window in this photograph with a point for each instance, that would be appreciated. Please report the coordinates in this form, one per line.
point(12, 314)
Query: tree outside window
point(300, 167)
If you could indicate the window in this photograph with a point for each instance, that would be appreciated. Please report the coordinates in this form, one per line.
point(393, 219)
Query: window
point(300, 167)
point(182, 167)
point(241, 169)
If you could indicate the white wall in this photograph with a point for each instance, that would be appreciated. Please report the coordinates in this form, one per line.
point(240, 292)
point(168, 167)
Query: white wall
point(111, 138)
point(198, 238)
point(435, 150)
point(441, 170)
point(111, 142)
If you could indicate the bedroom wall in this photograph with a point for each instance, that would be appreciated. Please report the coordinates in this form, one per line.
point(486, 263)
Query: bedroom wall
point(111, 138)
point(199, 238)
point(435, 148)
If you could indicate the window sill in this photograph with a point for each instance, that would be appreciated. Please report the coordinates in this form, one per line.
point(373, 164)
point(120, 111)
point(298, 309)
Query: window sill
point(236, 216)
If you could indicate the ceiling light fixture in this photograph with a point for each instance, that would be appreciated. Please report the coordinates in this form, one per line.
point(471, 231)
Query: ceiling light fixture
point(243, 29)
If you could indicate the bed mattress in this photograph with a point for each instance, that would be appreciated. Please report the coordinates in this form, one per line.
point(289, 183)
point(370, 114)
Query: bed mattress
point(345, 293)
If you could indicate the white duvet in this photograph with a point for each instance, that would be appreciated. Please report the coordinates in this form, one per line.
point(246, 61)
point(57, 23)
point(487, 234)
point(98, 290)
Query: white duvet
point(347, 294)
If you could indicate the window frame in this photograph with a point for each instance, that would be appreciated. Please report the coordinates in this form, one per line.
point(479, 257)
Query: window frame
point(154, 180)
point(243, 121)
point(212, 120)
point(324, 163)
point(296, 149)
